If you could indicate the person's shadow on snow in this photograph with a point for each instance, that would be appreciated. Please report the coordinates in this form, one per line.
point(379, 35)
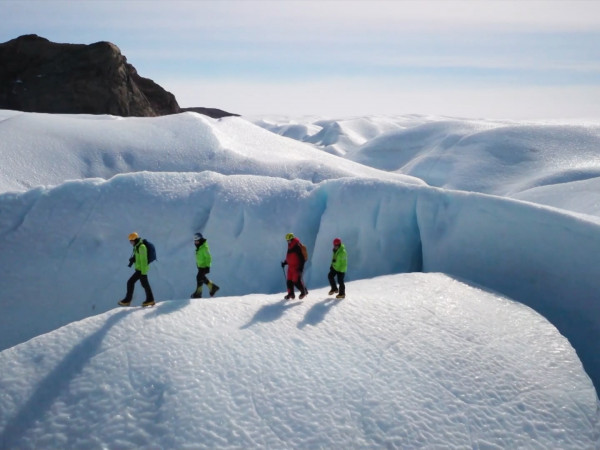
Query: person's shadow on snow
point(270, 313)
point(317, 313)
point(56, 382)
point(167, 307)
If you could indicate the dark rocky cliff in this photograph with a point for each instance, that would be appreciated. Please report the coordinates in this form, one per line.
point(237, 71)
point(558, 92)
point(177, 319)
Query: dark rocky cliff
point(37, 75)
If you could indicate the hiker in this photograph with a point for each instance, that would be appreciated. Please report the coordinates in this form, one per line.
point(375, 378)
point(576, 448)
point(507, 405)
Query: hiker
point(295, 259)
point(203, 260)
point(339, 264)
point(140, 259)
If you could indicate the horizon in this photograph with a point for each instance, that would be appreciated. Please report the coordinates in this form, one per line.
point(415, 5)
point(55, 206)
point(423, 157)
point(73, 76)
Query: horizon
point(496, 60)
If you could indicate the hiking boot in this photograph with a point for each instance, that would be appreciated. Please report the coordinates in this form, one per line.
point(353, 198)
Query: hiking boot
point(125, 302)
point(333, 291)
point(213, 290)
point(149, 303)
point(340, 296)
point(196, 295)
point(303, 295)
point(289, 297)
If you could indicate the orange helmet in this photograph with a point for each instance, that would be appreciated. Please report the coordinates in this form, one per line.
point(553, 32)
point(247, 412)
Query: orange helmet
point(133, 236)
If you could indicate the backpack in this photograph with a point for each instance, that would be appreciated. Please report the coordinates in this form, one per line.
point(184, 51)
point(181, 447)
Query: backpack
point(151, 250)
point(303, 250)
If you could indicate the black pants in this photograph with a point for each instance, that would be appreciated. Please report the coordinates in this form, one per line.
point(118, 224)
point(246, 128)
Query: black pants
point(340, 278)
point(202, 279)
point(299, 284)
point(137, 275)
point(201, 276)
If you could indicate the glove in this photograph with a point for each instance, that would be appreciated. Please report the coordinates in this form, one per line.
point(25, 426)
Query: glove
point(283, 263)
point(131, 261)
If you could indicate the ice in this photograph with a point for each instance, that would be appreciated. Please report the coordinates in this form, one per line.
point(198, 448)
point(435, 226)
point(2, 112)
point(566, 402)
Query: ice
point(470, 321)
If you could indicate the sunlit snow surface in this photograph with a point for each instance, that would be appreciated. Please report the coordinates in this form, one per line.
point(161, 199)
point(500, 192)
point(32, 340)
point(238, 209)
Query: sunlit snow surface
point(551, 163)
point(405, 361)
point(47, 149)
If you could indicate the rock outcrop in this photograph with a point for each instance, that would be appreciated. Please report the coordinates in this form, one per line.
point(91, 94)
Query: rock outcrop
point(211, 112)
point(37, 75)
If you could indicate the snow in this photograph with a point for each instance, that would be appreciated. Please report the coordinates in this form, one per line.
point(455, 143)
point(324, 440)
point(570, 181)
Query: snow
point(522, 160)
point(45, 149)
point(449, 365)
point(471, 318)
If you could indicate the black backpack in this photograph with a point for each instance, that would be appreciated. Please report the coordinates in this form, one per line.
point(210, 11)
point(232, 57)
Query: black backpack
point(151, 250)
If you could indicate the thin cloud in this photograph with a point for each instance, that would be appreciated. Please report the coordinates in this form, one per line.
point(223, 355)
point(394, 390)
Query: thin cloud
point(338, 97)
point(409, 46)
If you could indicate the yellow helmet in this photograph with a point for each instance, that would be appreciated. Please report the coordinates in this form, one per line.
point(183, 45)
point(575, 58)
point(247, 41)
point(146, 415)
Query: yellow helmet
point(289, 236)
point(133, 236)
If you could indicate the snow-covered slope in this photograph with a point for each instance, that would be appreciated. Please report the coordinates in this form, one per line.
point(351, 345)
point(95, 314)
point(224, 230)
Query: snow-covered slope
point(406, 361)
point(64, 258)
point(46, 149)
point(338, 136)
point(68, 245)
point(547, 163)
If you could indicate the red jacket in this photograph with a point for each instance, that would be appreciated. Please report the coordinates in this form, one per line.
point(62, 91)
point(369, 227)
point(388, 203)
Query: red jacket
point(294, 258)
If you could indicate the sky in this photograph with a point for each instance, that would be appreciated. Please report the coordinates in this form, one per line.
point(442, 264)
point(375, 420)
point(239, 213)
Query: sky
point(476, 59)
point(471, 318)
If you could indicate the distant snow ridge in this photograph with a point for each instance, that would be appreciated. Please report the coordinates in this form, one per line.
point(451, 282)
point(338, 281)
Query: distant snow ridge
point(74, 147)
point(338, 137)
point(556, 164)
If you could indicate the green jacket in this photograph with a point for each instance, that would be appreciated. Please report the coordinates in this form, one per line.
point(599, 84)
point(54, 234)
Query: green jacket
point(339, 260)
point(141, 257)
point(203, 258)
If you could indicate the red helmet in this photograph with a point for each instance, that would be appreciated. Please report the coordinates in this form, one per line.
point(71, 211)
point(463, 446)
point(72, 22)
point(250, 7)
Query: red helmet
point(337, 241)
